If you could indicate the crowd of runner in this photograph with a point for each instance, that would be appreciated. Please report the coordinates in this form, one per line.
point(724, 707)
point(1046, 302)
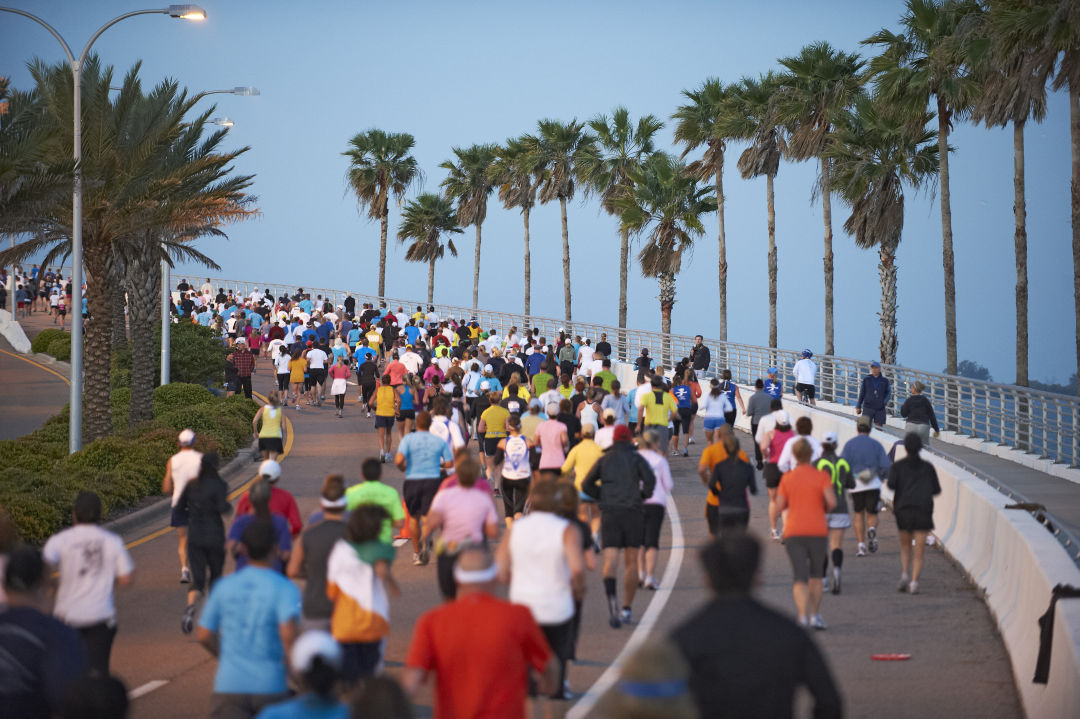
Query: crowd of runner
point(477, 419)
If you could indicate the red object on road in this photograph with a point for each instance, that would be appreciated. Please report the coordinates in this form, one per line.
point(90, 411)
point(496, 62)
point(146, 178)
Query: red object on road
point(890, 657)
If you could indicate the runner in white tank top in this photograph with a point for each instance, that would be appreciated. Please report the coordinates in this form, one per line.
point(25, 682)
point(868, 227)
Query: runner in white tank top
point(516, 470)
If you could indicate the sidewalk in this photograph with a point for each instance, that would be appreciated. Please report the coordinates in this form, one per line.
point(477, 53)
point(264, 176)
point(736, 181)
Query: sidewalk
point(32, 393)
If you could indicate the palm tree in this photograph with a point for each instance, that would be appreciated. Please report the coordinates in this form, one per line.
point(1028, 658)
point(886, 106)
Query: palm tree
point(668, 201)
point(128, 191)
point(380, 166)
point(753, 118)
point(469, 182)
point(821, 83)
point(916, 66)
point(621, 146)
point(876, 151)
point(558, 147)
point(1012, 78)
point(1051, 30)
point(698, 124)
point(424, 221)
point(516, 171)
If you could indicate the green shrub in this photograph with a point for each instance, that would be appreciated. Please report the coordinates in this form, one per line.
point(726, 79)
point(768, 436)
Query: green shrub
point(196, 354)
point(60, 348)
point(31, 453)
point(238, 406)
point(119, 378)
point(230, 431)
point(45, 338)
point(179, 395)
point(121, 407)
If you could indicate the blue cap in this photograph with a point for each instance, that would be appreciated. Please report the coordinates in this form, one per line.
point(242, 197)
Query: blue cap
point(807, 353)
point(772, 370)
point(875, 363)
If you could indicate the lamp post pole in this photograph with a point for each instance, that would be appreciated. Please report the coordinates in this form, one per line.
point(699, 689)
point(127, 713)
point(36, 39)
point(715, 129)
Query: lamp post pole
point(166, 280)
point(187, 12)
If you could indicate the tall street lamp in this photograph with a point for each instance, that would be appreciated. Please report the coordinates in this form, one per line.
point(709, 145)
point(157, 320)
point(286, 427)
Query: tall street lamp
point(166, 281)
point(185, 12)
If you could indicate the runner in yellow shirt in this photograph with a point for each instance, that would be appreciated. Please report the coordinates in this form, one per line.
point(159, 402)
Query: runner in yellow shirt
point(656, 410)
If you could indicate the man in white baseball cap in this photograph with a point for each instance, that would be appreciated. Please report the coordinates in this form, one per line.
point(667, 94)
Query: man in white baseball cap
point(282, 503)
point(181, 468)
point(317, 660)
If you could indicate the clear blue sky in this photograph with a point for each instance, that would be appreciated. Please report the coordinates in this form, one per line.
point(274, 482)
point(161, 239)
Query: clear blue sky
point(453, 74)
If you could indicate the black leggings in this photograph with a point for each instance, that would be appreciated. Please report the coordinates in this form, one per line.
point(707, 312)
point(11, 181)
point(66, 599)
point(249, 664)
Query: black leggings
point(339, 401)
point(201, 559)
point(97, 641)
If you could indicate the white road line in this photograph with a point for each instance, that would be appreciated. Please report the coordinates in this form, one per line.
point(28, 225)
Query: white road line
point(645, 624)
point(146, 689)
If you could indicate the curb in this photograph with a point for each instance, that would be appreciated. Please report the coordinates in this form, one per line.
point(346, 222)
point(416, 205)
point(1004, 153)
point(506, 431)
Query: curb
point(232, 473)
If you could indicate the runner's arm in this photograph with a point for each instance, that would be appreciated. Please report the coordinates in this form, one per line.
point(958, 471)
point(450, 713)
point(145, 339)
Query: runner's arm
point(295, 570)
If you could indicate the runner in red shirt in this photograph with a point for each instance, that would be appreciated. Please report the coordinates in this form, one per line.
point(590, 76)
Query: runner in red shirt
point(282, 503)
point(478, 673)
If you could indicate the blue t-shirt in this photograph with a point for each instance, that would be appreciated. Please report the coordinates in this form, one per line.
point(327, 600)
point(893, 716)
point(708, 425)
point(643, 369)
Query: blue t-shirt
point(353, 337)
point(362, 353)
point(309, 335)
point(281, 533)
point(532, 363)
point(203, 318)
point(307, 306)
point(424, 454)
point(412, 333)
point(305, 706)
point(340, 352)
point(683, 395)
point(774, 388)
point(246, 609)
point(256, 319)
point(229, 312)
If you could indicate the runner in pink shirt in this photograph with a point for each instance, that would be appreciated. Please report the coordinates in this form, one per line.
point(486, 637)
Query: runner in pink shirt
point(552, 439)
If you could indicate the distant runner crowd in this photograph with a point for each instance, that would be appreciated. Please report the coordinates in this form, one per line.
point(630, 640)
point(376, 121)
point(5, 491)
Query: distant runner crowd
point(477, 419)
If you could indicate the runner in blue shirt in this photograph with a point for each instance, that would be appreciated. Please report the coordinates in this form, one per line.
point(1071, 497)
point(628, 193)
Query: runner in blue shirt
point(774, 387)
point(412, 333)
point(422, 456)
point(684, 398)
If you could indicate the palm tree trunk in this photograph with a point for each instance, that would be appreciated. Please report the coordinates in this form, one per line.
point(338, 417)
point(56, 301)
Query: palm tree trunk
point(431, 281)
point(118, 334)
point(948, 260)
point(887, 272)
point(383, 224)
point(772, 258)
point(566, 261)
point(1020, 246)
point(476, 271)
point(1074, 136)
point(97, 355)
point(826, 212)
point(624, 260)
point(528, 266)
point(143, 280)
point(721, 246)
point(667, 301)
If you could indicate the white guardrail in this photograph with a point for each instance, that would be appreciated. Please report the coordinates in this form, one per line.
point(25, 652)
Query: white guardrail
point(1042, 423)
point(1010, 556)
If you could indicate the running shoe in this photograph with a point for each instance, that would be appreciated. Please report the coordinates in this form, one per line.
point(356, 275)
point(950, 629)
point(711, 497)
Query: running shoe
point(425, 554)
point(690, 441)
point(825, 584)
point(625, 616)
point(872, 536)
point(416, 559)
point(902, 585)
point(187, 622)
point(817, 622)
point(804, 622)
point(760, 466)
point(613, 621)
point(185, 576)
point(496, 493)
point(297, 406)
point(862, 550)
point(674, 453)
point(836, 580)
point(775, 536)
point(913, 587)
point(650, 583)
point(369, 415)
point(686, 453)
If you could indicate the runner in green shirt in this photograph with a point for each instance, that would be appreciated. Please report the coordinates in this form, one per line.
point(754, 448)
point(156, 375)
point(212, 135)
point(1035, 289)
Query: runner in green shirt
point(373, 491)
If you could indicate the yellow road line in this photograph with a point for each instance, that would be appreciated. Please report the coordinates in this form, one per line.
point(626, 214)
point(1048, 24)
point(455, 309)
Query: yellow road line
point(38, 364)
point(236, 492)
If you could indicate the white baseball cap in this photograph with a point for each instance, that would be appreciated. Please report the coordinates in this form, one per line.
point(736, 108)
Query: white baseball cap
point(270, 469)
point(312, 644)
point(831, 438)
point(488, 368)
point(186, 438)
point(782, 417)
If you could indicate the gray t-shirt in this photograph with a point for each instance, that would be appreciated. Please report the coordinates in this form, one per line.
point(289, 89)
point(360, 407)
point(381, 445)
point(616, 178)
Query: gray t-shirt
point(758, 406)
point(317, 542)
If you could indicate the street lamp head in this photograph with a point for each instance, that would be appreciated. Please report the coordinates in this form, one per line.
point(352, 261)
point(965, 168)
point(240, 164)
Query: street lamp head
point(187, 12)
point(245, 91)
point(223, 121)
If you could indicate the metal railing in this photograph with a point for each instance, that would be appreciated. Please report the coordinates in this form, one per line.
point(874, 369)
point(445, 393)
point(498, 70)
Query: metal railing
point(1041, 423)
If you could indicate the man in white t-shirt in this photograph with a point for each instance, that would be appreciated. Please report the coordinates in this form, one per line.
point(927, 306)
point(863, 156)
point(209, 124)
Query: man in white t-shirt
point(412, 361)
point(91, 562)
point(316, 359)
point(805, 373)
point(181, 468)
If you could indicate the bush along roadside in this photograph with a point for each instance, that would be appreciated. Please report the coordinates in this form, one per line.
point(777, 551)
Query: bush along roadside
point(39, 480)
point(53, 342)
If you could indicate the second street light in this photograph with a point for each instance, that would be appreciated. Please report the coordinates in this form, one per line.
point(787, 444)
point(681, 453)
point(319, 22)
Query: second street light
point(185, 12)
point(166, 292)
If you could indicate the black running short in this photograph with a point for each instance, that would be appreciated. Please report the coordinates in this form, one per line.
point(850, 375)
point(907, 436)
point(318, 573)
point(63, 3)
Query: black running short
point(283, 382)
point(865, 501)
point(806, 389)
point(622, 527)
point(654, 519)
point(418, 494)
point(514, 492)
